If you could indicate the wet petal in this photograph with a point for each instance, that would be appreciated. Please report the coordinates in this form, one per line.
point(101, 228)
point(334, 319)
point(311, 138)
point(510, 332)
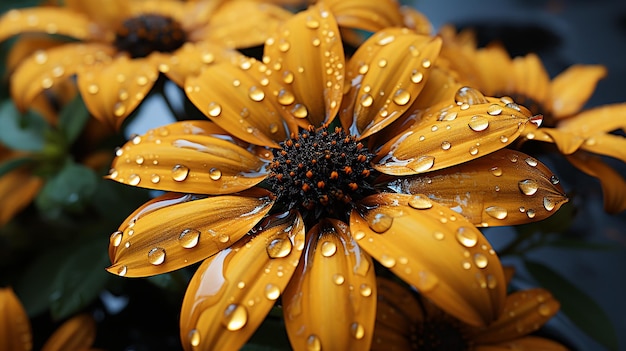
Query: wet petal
point(190, 60)
point(330, 303)
point(434, 249)
point(17, 190)
point(49, 20)
point(25, 46)
point(387, 73)
point(613, 183)
point(176, 230)
point(77, 333)
point(566, 142)
point(308, 55)
point(232, 292)
point(589, 122)
point(112, 92)
point(43, 69)
point(529, 343)
point(503, 188)
point(369, 15)
point(571, 89)
point(15, 331)
point(109, 16)
point(243, 23)
point(453, 134)
point(188, 160)
point(524, 312)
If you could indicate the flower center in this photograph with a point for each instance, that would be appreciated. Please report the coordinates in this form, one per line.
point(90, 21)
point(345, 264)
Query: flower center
point(321, 172)
point(435, 335)
point(139, 36)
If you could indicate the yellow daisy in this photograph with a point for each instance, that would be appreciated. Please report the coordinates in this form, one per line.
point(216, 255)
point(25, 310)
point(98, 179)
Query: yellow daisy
point(405, 321)
point(278, 201)
point(119, 47)
point(77, 333)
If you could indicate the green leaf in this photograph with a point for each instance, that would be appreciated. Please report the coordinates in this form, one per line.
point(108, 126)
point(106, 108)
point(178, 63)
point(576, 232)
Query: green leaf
point(12, 164)
point(21, 131)
point(73, 118)
point(581, 309)
point(69, 190)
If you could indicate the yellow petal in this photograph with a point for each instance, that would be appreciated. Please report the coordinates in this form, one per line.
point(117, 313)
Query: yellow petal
point(243, 23)
point(524, 312)
point(387, 72)
point(529, 343)
point(18, 188)
point(589, 122)
point(26, 45)
point(494, 70)
point(330, 303)
point(44, 69)
point(188, 160)
point(109, 16)
point(232, 292)
point(174, 231)
point(308, 54)
point(234, 98)
point(369, 15)
point(416, 20)
point(112, 91)
point(531, 80)
point(453, 134)
point(77, 333)
point(49, 20)
point(503, 188)
point(607, 145)
point(571, 89)
point(386, 339)
point(15, 331)
point(434, 249)
point(613, 183)
point(397, 308)
point(566, 142)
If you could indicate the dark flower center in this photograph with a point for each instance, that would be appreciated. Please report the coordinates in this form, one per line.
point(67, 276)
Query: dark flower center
point(321, 172)
point(139, 36)
point(434, 335)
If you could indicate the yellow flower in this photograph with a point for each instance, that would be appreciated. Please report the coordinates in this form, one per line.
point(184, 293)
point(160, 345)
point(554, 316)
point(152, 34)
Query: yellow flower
point(582, 135)
point(121, 46)
point(406, 322)
point(77, 333)
point(278, 201)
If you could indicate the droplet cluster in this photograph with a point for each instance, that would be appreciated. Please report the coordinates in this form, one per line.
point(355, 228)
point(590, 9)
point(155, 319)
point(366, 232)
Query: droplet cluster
point(142, 35)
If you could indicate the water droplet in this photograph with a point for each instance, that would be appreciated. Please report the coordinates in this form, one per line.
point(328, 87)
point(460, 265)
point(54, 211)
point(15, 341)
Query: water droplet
point(426, 281)
point(122, 271)
point(544, 310)
point(491, 281)
point(189, 238)
point(470, 96)
point(382, 63)
point(420, 202)
point(93, 89)
point(496, 171)
point(446, 145)
point(288, 77)
point(531, 161)
point(466, 264)
point(223, 238)
point(381, 222)
point(155, 178)
point(338, 279)
point(283, 45)
point(497, 212)
point(548, 204)
point(357, 331)
point(119, 109)
point(365, 290)
point(364, 68)
point(504, 139)
point(41, 57)
point(116, 238)
point(328, 248)
point(426, 63)
point(215, 109)
point(473, 150)
point(554, 180)
point(313, 343)
point(134, 179)
point(528, 186)
point(256, 94)
point(401, 97)
point(312, 23)
point(299, 111)
point(194, 337)
point(494, 109)
point(386, 40)
point(156, 256)
point(215, 174)
point(387, 261)
point(366, 100)
point(478, 123)
point(272, 292)
point(466, 237)
point(480, 260)
point(417, 77)
point(531, 213)
point(439, 236)
point(285, 97)
point(536, 120)
point(139, 159)
point(180, 173)
point(423, 163)
point(235, 317)
point(279, 247)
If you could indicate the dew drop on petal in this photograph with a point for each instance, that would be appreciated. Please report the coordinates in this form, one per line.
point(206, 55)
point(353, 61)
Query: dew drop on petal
point(194, 337)
point(299, 111)
point(338, 279)
point(528, 186)
point(256, 94)
point(548, 204)
point(478, 123)
point(554, 180)
point(93, 89)
point(494, 109)
point(134, 179)
point(445, 145)
point(235, 317)
point(285, 97)
point(496, 171)
point(420, 202)
point(438, 236)
point(504, 139)
point(426, 281)
point(215, 174)
point(497, 212)
point(180, 173)
point(119, 109)
point(116, 238)
point(367, 100)
point(470, 96)
point(423, 163)
point(387, 261)
point(365, 290)
point(401, 97)
point(214, 109)
point(544, 310)
point(155, 178)
point(531, 161)
point(466, 237)
point(328, 248)
point(156, 256)
point(417, 77)
point(223, 238)
point(473, 150)
point(122, 271)
point(357, 331)
point(359, 235)
point(480, 260)
point(531, 213)
point(313, 343)
point(380, 223)
point(279, 247)
point(189, 238)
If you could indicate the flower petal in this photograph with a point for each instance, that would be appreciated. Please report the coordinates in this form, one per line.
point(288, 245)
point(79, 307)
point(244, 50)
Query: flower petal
point(451, 135)
point(18, 188)
point(416, 20)
point(571, 89)
point(368, 15)
point(613, 183)
point(529, 343)
point(387, 72)
point(112, 91)
point(50, 20)
point(190, 60)
point(15, 330)
point(397, 309)
point(524, 312)
point(308, 55)
point(176, 230)
point(503, 188)
point(232, 292)
point(434, 249)
point(77, 333)
point(531, 80)
point(589, 122)
point(188, 160)
point(330, 303)
point(109, 16)
point(44, 69)
point(234, 97)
